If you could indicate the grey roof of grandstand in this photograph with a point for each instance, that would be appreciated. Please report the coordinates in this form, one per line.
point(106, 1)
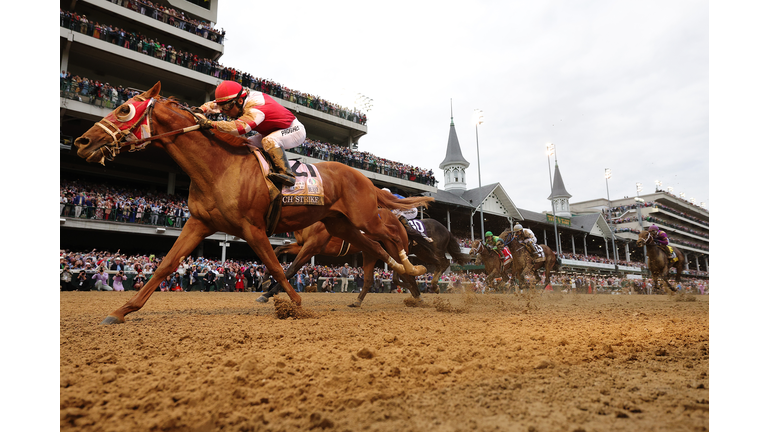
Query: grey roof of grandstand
point(453, 154)
point(472, 198)
point(558, 187)
point(584, 223)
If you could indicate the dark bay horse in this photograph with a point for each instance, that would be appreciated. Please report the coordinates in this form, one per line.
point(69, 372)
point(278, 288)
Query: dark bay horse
point(658, 262)
point(520, 253)
point(494, 267)
point(316, 240)
point(229, 192)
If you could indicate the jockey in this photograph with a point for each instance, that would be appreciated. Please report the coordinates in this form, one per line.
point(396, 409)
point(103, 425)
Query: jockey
point(660, 237)
point(405, 215)
point(495, 243)
point(526, 237)
point(276, 128)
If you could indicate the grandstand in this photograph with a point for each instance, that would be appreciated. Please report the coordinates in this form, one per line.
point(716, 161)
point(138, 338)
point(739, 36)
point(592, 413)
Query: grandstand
point(105, 56)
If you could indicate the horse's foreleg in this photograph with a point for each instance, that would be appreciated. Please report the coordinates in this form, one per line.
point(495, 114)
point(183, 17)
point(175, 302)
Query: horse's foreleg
point(303, 254)
point(259, 242)
point(191, 235)
point(369, 263)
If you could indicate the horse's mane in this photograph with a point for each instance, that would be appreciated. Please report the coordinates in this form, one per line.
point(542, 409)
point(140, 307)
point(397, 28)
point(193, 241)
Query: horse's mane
point(217, 136)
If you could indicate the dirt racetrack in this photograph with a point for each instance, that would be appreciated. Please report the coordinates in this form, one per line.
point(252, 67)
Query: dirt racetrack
point(464, 362)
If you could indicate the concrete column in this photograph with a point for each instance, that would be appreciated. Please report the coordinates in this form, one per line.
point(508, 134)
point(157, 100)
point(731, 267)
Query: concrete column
point(626, 251)
point(607, 251)
point(573, 244)
point(448, 218)
point(65, 56)
point(171, 183)
point(585, 244)
point(697, 263)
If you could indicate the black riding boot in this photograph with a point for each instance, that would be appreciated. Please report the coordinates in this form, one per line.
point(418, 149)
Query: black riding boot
point(283, 173)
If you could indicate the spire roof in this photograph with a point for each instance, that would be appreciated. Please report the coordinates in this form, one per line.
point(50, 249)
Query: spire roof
point(558, 187)
point(453, 154)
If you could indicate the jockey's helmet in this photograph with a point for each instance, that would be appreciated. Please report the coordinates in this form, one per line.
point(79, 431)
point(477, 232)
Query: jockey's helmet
point(517, 228)
point(489, 234)
point(653, 228)
point(228, 91)
point(386, 190)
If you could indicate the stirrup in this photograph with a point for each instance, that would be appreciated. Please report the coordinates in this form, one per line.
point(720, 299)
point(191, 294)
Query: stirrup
point(281, 178)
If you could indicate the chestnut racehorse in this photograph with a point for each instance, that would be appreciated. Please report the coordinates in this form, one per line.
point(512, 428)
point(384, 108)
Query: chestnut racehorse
point(520, 254)
point(316, 240)
point(658, 262)
point(228, 191)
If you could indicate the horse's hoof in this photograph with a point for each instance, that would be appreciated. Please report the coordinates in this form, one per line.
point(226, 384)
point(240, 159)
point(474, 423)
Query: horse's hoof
point(418, 270)
point(112, 320)
point(262, 299)
point(356, 304)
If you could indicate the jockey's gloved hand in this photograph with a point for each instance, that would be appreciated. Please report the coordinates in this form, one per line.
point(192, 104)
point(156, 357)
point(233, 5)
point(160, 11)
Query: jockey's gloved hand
point(204, 122)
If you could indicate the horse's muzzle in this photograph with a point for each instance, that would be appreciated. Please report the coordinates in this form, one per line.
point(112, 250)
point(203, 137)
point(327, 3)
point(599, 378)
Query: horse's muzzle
point(89, 152)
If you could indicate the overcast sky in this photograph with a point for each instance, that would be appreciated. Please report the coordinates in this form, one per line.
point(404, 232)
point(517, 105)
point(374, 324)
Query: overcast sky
point(619, 85)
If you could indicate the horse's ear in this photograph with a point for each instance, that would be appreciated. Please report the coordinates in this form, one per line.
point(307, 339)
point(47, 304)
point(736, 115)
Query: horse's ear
point(154, 91)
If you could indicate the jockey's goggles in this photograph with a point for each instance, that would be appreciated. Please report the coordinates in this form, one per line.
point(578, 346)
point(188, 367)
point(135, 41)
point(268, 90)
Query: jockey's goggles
point(228, 106)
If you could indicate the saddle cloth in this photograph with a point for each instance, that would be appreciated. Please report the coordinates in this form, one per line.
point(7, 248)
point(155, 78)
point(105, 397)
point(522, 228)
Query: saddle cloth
point(308, 189)
point(417, 225)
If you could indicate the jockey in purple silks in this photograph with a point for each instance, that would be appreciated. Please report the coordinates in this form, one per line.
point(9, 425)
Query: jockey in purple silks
point(660, 237)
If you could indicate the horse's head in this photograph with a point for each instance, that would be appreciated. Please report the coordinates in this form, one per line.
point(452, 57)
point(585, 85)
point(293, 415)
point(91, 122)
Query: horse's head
point(104, 139)
point(506, 236)
point(642, 238)
point(476, 251)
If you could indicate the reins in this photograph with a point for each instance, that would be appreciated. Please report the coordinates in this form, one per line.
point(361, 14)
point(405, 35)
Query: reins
point(119, 142)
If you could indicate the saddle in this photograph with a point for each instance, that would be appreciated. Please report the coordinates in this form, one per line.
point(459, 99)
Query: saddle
point(308, 189)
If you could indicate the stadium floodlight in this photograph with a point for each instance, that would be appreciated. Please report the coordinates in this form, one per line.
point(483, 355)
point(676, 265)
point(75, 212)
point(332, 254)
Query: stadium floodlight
point(550, 150)
point(682, 195)
point(639, 187)
point(670, 189)
point(477, 120)
point(658, 184)
point(607, 174)
point(702, 204)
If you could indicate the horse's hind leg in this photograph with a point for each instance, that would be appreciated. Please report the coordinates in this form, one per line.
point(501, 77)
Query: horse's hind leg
point(191, 235)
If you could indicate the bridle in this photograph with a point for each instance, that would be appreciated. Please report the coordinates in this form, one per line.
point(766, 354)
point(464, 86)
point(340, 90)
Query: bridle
point(130, 130)
point(642, 241)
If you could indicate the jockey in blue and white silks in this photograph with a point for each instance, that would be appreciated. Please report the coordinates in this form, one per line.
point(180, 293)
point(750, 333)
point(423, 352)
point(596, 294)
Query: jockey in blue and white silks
point(405, 215)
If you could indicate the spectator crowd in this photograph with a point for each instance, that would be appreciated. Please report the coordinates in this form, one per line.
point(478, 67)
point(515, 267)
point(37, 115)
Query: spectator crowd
point(165, 51)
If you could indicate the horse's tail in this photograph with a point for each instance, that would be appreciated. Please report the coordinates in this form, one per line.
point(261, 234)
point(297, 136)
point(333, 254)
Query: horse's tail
point(389, 201)
point(454, 249)
point(558, 262)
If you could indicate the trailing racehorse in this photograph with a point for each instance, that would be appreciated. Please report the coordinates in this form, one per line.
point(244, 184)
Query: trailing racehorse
point(229, 191)
point(658, 261)
point(315, 240)
point(494, 267)
point(550, 264)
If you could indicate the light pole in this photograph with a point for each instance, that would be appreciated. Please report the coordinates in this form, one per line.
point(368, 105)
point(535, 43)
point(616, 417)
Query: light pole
point(477, 119)
point(550, 152)
point(638, 201)
point(610, 221)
